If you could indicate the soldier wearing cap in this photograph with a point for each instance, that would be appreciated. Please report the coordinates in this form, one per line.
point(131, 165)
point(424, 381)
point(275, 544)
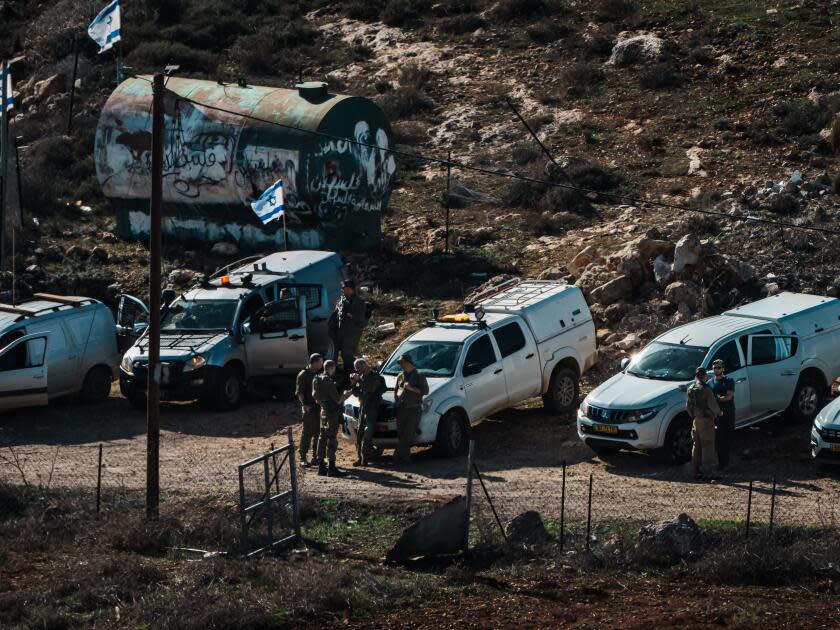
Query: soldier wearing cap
point(702, 406)
point(325, 393)
point(310, 409)
point(408, 398)
point(724, 390)
point(347, 323)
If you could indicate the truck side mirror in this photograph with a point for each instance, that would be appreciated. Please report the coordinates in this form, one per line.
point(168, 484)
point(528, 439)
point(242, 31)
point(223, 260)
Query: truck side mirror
point(625, 362)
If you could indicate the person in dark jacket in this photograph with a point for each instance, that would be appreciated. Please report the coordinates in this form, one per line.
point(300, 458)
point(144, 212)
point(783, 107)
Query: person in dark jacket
point(408, 399)
point(311, 412)
point(346, 324)
point(368, 385)
point(724, 390)
point(326, 394)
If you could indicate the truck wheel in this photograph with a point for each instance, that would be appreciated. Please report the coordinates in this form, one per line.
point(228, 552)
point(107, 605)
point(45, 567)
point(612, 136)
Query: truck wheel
point(807, 399)
point(452, 434)
point(563, 391)
point(677, 447)
point(229, 394)
point(97, 385)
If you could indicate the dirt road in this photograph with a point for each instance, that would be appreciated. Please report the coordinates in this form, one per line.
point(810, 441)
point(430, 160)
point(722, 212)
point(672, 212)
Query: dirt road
point(519, 453)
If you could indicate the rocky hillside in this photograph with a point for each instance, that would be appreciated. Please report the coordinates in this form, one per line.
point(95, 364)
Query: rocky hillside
point(719, 106)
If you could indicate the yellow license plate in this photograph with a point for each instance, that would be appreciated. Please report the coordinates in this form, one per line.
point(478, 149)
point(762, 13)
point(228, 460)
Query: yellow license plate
point(605, 428)
point(835, 448)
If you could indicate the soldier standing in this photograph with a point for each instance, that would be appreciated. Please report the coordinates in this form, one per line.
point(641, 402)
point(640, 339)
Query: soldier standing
point(368, 386)
point(310, 410)
point(703, 408)
point(408, 397)
point(325, 393)
point(724, 390)
point(348, 322)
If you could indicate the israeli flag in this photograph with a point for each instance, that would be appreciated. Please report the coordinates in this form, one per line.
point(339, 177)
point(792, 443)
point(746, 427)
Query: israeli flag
point(7, 77)
point(270, 204)
point(105, 28)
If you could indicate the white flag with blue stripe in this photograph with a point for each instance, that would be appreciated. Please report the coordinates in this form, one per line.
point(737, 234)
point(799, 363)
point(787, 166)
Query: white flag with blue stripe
point(270, 204)
point(7, 78)
point(105, 28)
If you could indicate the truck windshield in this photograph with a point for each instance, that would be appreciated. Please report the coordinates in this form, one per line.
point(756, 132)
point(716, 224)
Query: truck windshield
point(432, 358)
point(667, 362)
point(199, 315)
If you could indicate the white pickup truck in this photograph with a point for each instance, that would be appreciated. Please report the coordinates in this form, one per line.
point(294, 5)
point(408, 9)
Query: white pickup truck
point(527, 339)
point(783, 352)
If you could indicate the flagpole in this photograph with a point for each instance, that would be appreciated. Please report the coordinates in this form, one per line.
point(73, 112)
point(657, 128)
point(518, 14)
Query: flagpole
point(4, 160)
point(285, 234)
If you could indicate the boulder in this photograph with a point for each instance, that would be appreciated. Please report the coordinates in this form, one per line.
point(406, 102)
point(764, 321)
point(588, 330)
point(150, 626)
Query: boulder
point(223, 248)
point(614, 312)
point(181, 277)
point(441, 532)
point(650, 248)
point(662, 271)
point(553, 273)
point(592, 277)
point(683, 293)
point(677, 539)
point(475, 237)
point(49, 87)
point(527, 529)
point(584, 258)
point(632, 48)
point(632, 340)
point(687, 252)
point(616, 289)
point(633, 269)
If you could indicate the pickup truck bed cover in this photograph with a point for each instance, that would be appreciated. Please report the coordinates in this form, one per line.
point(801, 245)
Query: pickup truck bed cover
point(798, 313)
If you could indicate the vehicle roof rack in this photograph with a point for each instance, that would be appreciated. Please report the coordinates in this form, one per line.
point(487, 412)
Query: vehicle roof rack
point(225, 270)
point(494, 290)
point(70, 300)
point(17, 310)
point(60, 300)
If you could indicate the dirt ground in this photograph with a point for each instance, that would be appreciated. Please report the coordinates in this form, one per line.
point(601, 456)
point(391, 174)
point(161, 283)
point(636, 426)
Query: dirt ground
point(520, 453)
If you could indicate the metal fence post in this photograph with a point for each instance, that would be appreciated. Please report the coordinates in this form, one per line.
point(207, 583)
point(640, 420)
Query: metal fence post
point(243, 519)
point(749, 508)
point(293, 477)
point(563, 508)
point(275, 469)
point(772, 505)
point(468, 506)
point(267, 504)
point(589, 513)
point(99, 480)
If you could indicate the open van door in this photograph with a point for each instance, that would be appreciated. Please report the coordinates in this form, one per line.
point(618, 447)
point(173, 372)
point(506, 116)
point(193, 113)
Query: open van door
point(275, 337)
point(132, 321)
point(23, 372)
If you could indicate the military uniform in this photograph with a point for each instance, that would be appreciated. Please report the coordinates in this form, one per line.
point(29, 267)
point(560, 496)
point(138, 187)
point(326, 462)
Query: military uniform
point(312, 417)
point(408, 410)
point(368, 389)
point(326, 394)
point(350, 322)
point(703, 407)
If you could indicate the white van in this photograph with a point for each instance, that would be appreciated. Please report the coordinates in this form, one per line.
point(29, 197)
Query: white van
point(53, 346)
point(783, 352)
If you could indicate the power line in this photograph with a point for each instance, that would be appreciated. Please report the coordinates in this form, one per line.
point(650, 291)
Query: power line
point(524, 178)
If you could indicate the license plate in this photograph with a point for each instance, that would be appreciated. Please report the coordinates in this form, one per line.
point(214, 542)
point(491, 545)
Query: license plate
point(605, 428)
point(835, 448)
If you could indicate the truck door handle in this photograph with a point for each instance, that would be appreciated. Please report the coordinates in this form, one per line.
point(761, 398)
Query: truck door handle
point(39, 377)
point(788, 373)
point(529, 356)
point(741, 380)
point(295, 337)
point(499, 371)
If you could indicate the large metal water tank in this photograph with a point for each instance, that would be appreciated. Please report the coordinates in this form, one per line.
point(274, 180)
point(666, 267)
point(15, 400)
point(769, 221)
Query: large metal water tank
point(216, 162)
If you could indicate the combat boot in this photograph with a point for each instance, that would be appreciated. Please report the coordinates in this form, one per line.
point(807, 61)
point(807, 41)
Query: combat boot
point(322, 469)
point(335, 472)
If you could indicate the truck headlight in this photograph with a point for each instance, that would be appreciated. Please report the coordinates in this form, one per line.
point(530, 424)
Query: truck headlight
point(127, 365)
point(193, 363)
point(643, 415)
point(583, 408)
point(427, 404)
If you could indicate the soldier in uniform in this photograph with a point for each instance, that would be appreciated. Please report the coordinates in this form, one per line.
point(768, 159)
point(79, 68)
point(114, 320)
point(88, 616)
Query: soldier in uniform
point(347, 323)
point(325, 393)
point(310, 410)
point(408, 396)
point(368, 386)
point(724, 390)
point(703, 407)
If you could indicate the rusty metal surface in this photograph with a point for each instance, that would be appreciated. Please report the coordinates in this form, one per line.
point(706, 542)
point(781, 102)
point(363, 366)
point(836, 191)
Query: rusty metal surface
point(216, 162)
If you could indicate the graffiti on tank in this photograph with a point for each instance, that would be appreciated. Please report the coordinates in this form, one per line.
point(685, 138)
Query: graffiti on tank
point(365, 187)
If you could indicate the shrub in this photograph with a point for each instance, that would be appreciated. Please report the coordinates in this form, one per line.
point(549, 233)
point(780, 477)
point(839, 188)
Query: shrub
point(702, 55)
point(524, 153)
point(366, 10)
point(593, 176)
point(546, 31)
point(582, 77)
point(155, 55)
point(800, 118)
point(651, 143)
point(413, 75)
point(600, 45)
point(783, 203)
point(506, 10)
point(460, 24)
point(397, 12)
point(721, 123)
point(659, 76)
point(615, 10)
point(404, 102)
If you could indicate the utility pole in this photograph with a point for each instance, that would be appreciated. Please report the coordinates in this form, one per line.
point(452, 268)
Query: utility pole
point(4, 161)
point(154, 370)
point(73, 84)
